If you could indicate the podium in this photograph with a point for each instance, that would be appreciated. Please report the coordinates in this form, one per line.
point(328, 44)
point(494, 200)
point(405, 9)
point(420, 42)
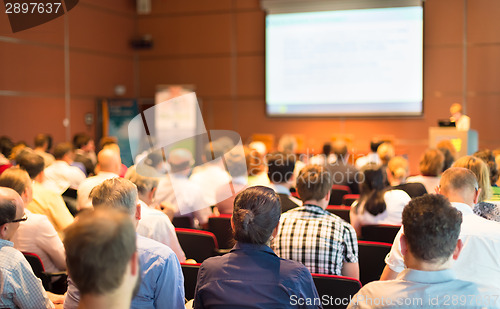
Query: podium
point(465, 142)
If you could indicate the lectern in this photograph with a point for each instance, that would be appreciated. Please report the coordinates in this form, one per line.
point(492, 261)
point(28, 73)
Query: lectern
point(465, 142)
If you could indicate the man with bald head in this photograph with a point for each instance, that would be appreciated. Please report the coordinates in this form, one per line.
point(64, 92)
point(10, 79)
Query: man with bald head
point(342, 172)
point(108, 166)
point(177, 190)
point(19, 288)
point(479, 259)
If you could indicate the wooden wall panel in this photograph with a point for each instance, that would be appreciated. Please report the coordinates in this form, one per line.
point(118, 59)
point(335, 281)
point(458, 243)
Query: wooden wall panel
point(250, 32)
point(483, 22)
point(189, 7)
point(443, 22)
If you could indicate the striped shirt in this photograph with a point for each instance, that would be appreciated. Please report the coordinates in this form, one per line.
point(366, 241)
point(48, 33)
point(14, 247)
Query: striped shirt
point(316, 238)
point(19, 288)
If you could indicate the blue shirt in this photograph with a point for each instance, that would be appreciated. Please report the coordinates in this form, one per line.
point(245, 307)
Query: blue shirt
point(19, 287)
point(162, 284)
point(253, 276)
point(424, 289)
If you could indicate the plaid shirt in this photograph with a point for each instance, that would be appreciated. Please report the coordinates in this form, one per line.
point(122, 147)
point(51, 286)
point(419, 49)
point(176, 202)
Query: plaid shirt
point(316, 238)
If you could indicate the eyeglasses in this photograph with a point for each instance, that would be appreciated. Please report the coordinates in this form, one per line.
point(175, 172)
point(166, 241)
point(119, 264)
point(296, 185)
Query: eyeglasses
point(24, 218)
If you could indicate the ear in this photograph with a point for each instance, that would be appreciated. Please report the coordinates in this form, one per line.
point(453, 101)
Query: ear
point(138, 212)
point(458, 249)
point(275, 231)
point(232, 223)
point(404, 244)
point(151, 194)
point(476, 196)
point(327, 197)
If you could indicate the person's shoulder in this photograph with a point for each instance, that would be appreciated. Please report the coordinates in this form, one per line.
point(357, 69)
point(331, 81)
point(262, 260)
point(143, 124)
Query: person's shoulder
point(153, 249)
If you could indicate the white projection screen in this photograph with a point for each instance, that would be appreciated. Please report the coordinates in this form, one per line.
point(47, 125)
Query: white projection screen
point(344, 60)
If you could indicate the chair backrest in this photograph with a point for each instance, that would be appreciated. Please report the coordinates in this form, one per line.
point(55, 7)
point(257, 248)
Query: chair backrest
point(37, 266)
point(339, 289)
point(337, 194)
point(183, 222)
point(190, 272)
point(383, 232)
point(221, 227)
point(197, 245)
point(341, 211)
point(372, 259)
point(348, 199)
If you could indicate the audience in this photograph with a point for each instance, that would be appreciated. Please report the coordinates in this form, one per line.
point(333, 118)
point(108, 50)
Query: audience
point(429, 245)
point(108, 166)
point(309, 234)
point(478, 261)
point(487, 156)
point(19, 287)
point(45, 201)
point(398, 171)
point(325, 157)
point(36, 234)
point(235, 162)
point(103, 259)
point(85, 152)
point(6, 145)
point(372, 157)
point(430, 167)
point(255, 156)
point(376, 204)
point(60, 175)
point(111, 142)
point(154, 223)
point(449, 153)
point(252, 273)
point(162, 284)
point(342, 172)
point(280, 167)
point(42, 143)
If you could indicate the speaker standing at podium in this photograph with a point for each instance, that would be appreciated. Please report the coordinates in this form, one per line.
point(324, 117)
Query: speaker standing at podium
point(462, 122)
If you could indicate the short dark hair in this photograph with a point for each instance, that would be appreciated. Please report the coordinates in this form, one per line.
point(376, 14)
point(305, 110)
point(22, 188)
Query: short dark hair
point(431, 226)
point(374, 145)
point(16, 179)
point(372, 189)
point(256, 213)
point(61, 149)
point(80, 140)
point(7, 210)
point(41, 139)
point(280, 167)
point(118, 193)
point(99, 246)
point(6, 146)
point(314, 183)
point(431, 163)
point(31, 162)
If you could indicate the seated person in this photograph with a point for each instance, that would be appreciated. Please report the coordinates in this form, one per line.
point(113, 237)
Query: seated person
point(102, 258)
point(252, 273)
point(376, 204)
point(280, 167)
point(235, 162)
point(60, 175)
point(431, 166)
point(429, 245)
point(309, 234)
point(398, 171)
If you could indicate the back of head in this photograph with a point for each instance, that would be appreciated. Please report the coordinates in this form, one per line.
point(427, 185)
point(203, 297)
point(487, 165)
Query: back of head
point(109, 161)
point(41, 140)
point(398, 167)
point(339, 148)
point(487, 156)
point(327, 149)
point(180, 159)
point(385, 152)
point(459, 181)
point(372, 189)
point(9, 200)
point(144, 184)
point(61, 150)
point(314, 183)
point(254, 161)
point(256, 213)
point(236, 163)
point(479, 168)
point(288, 144)
point(431, 163)
point(374, 144)
point(107, 141)
point(280, 167)
point(6, 146)
point(99, 246)
point(31, 162)
point(431, 226)
point(80, 140)
point(115, 193)
point(16, 179)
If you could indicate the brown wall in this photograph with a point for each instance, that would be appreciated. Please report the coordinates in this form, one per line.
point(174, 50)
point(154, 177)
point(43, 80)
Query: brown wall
point(219, 47)
point(33, 70)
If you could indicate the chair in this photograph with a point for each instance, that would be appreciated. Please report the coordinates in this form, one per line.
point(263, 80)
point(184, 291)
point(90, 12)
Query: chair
point(183, 222)
point(221, 227)
point(338, 192)
point(383, 232)
point(372, 259)
point(59, 286)
point(190, 272)
point(348, 199)
point(70, 199)
point(341, 211)
point(338, 290)
point(197, 245)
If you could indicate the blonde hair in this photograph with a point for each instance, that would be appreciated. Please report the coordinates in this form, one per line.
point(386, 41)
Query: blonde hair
point(481, 170)
point(398, 167)
point(385, 151)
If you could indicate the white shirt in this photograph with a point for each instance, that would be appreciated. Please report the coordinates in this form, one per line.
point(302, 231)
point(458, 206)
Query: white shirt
point(156, 225)
point(479, 260)
point(430, 182)
point(37, 235)
point(209, 177)
point(463, 123)
point(83, 200)
point(372, 157)
point(60, 176)
point(395, 201)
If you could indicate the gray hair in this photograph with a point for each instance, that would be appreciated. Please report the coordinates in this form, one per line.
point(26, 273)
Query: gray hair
point(116, 193)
